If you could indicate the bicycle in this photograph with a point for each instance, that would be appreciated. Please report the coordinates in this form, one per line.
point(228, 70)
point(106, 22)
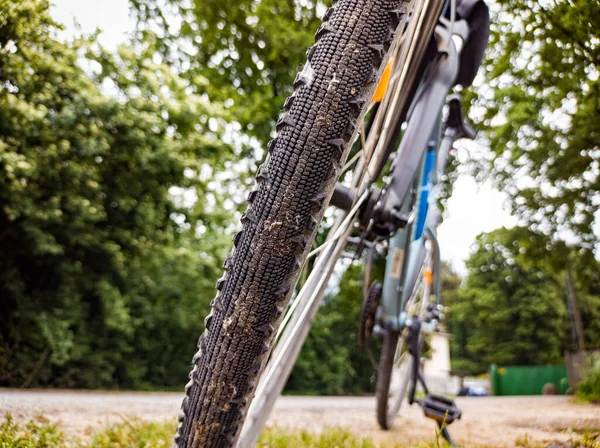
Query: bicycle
point(406, 55)
point(413, 273)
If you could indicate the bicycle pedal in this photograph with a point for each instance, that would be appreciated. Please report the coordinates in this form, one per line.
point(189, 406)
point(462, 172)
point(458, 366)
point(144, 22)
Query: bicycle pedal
point(441, 409)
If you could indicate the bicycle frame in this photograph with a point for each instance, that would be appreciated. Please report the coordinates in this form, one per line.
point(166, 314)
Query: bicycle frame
point(408, 160)
point(407, 249)
point(423, 150)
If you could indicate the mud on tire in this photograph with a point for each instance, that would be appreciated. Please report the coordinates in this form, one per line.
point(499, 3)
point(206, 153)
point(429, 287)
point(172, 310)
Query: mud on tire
point(293, 187)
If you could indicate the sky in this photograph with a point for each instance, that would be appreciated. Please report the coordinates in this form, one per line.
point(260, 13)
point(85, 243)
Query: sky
point(473, 208)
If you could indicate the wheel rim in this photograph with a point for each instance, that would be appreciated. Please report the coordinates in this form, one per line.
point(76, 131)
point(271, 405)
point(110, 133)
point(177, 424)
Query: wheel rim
point(401, 369)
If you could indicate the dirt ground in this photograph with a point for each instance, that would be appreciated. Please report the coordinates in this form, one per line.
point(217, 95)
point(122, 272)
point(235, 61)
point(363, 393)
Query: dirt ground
point(497, 421)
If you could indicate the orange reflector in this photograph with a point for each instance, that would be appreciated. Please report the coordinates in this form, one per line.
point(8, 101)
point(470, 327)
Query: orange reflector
point(383, 83)
point(428, 276)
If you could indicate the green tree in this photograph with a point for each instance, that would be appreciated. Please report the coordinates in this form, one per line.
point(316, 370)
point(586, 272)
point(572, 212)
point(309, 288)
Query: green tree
point(324, 366)
point(510, 312)
point(587, 287)
point(331, 362)
point(249, 51)
point(100, 252)
point(540, 108)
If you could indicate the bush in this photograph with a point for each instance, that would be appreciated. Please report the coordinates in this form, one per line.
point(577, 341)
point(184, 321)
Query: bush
point(589, 388)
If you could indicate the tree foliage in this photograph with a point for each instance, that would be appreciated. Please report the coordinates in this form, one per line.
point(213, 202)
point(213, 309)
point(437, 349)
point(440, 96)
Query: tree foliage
point(101, 275)
point(540, 108)
point(250, 51)
point(512, 309)
point(331, 362)
point(109, 259)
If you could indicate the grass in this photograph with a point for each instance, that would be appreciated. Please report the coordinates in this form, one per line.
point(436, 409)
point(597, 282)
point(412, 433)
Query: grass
point(334, 437)
point(587, 439)
point(40, 433)
point(134, 433)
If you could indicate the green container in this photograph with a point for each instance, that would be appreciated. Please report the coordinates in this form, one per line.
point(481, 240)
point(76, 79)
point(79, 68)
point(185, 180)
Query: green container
point(527, 380)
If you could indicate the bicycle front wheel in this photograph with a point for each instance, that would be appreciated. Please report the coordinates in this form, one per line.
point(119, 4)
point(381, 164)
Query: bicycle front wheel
point(293, 188)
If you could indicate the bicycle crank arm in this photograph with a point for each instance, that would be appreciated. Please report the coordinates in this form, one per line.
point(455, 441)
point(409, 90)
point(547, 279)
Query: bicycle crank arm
point(436, 407)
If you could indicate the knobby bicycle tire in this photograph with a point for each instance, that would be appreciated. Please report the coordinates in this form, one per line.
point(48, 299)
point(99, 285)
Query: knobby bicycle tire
point(384, 377)
point(293, 189)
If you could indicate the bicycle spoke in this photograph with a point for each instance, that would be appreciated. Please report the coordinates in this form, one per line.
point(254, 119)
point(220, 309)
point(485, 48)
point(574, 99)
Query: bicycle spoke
point(297, 324)
point(347, 221)
point(351, 162)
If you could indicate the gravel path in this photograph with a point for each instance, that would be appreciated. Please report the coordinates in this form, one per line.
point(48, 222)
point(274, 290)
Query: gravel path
point(486, 421)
